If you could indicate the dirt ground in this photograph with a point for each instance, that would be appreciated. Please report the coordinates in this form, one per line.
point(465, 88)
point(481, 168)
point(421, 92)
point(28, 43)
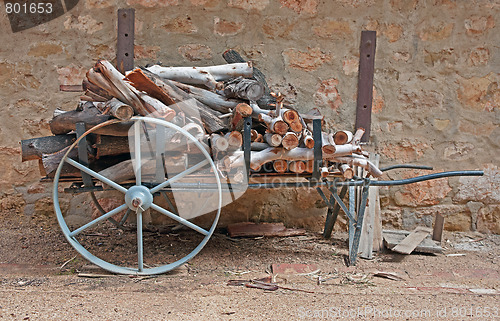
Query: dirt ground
point(33, 286)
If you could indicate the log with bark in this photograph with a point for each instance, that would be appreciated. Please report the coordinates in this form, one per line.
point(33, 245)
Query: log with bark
point(267, 101)
point(209, 76)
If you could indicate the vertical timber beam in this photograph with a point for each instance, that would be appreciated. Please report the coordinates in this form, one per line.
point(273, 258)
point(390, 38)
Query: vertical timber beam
point(365, 82)
point(125, 43)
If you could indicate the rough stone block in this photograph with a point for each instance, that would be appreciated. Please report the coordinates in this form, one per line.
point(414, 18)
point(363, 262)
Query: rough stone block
point(333, 29)
point(181, 24)
point(327, 94)
point(301, 6)
point(279, 27)
point(249, 4)
point(429, 192)
point(488, 219)
point(195, 52)
point(45, 49)
point(83, 23)
point(479, 56)
point(436, 32)
point(146, 52)
point(71, 75)
point(458, 151)
point(308, 60)
point(480, 93)
point(404, 151)
point(485, 189)
point(477, 129)
point(477, 25)
point(350, 66)
point(224, 27)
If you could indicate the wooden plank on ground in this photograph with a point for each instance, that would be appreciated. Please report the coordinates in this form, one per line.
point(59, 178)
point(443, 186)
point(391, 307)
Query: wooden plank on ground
point(393, 237)
point(412, 240)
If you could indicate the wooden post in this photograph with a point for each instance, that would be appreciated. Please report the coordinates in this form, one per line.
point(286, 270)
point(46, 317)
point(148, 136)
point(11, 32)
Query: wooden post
point(366, 243)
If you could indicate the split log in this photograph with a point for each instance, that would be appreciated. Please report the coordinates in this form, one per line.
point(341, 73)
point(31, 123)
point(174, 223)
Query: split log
point(275, 125)
point(141, 82)
point(328, 147)
point(292, 118)
point(324, 172)
point(297, 167)
point(234, 139)
point(243, 88)
point(241, 111)
point(111, 146)
point(208, 76)
point(88, 86)
point(188, 105)
point(280, 165)
point(209, 98)
point(347, 171)
point(34, 148)
point(307, 139)
point(122, 90)
point(273, 140)
point(89, 115)
point(257, 159)
point(219, 143)
point(290, 141)
point(253, 135)
point(119, 109)
point(342, 137)
point(231, 56)
point(361, 162)
point(51, 161)
point(90, 96)
point(259, 138)
point(309, 166)
point(256, 110)
point(356, 139)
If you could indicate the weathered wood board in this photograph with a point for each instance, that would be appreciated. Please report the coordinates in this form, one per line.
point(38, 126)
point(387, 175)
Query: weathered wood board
point(427, 245)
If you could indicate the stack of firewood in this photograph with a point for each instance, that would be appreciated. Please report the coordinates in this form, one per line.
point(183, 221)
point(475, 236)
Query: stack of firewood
point(209, 102)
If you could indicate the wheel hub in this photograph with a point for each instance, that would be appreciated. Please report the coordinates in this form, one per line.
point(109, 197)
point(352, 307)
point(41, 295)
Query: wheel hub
point(138, 197)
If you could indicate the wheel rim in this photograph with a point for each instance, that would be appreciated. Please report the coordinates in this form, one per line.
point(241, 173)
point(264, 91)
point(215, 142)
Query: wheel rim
point(138, 198)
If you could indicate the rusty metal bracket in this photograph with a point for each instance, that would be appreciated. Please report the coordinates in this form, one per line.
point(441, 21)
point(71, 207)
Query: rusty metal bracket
point(125, 41)
point(365, 82)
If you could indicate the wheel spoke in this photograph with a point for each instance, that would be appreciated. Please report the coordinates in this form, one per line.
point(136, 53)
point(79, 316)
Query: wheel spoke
point(96, 175)
point(179, 219)
point(179, 176)
point(140, 255)
point(97, 220)
point(137, 150)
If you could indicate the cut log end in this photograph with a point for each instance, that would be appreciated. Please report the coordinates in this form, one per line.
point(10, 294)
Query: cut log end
point(280, 165)
point(297, 167)
point(290, 141)
point(279, 127)
point(342, 137)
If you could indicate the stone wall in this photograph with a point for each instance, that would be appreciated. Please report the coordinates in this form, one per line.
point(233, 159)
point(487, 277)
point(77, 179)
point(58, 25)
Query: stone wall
point(436, 87)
